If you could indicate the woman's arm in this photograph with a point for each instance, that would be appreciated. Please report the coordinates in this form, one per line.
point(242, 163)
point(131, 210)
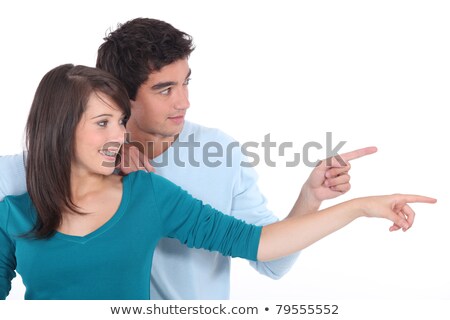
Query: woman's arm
point(299, 231)
point(7, 252)
point(200, 226)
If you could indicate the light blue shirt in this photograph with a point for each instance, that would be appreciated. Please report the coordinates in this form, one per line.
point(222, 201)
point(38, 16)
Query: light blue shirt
point(12, 175)
point(207, 163)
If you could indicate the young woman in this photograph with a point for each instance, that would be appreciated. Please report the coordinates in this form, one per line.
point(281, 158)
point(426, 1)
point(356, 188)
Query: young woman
point(82, 232)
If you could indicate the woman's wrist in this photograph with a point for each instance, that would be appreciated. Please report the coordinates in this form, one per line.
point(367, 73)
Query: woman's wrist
point(361, 206)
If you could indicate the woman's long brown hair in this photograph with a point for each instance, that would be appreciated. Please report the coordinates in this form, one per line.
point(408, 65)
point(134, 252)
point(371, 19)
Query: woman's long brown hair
point(57, 108)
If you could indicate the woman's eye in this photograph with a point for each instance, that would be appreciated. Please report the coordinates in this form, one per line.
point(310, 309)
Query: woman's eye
point(102, 123)
point(123, 121)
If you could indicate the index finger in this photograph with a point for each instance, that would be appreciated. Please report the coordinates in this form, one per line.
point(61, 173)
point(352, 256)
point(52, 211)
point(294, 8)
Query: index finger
point(410, 198)
point(359, 153)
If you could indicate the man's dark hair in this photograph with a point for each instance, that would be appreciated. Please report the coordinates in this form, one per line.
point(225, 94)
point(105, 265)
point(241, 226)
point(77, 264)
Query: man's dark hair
point(139, 47)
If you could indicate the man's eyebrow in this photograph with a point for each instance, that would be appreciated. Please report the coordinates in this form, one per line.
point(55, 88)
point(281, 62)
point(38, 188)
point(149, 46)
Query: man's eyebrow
point(162, 85)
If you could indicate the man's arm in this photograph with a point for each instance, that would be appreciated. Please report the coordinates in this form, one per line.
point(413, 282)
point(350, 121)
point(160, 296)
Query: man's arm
point(12, 175)
point(328, 180)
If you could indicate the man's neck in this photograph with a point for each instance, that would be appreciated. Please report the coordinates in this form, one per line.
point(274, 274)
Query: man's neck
point(151, 145)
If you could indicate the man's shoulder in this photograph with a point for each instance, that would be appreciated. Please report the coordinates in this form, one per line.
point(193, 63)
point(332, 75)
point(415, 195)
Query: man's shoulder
point(216, 149)
point(12, 175)
point(11, 161)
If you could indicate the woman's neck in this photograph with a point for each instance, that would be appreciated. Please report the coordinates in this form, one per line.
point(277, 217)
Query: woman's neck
point(84, 184)
point(96, 196)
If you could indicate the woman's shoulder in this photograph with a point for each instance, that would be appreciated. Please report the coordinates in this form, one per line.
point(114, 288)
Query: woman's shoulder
point(16, 202)
point(145, 178)
point(143, 181)
point(18, 208)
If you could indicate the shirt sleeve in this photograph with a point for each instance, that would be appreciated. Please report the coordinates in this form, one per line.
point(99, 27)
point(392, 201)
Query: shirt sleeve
point(7, 256)
point(250, 205)
point(201, 226)
point(12, 175)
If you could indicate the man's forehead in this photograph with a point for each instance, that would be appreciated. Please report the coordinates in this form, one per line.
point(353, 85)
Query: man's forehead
point(167, 77)
point(176, 68)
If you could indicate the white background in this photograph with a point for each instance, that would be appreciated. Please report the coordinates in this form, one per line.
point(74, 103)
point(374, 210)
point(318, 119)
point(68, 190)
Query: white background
point(371, 72)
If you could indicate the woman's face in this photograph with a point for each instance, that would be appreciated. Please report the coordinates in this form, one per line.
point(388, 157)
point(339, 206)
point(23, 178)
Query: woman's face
point(98, 136)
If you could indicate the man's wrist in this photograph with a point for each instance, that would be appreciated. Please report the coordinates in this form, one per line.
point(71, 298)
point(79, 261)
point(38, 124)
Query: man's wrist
point(308, 202)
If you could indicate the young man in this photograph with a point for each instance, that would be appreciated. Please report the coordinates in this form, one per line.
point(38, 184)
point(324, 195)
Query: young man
point(151, 58)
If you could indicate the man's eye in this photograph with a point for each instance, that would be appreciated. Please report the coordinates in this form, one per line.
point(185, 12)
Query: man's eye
point(186, 82)
point(165, 92)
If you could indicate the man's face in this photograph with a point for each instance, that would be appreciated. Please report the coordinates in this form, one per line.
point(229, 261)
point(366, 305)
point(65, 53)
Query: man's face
point(161, 102)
